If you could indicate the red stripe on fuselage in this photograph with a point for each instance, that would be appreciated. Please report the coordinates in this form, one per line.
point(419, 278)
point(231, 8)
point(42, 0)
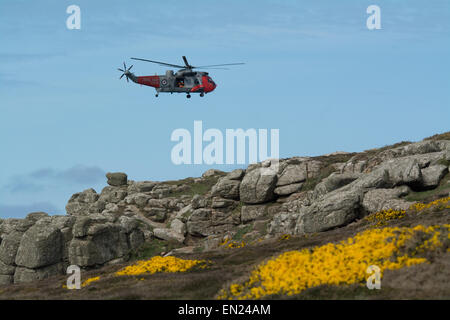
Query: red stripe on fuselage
point(151, 81)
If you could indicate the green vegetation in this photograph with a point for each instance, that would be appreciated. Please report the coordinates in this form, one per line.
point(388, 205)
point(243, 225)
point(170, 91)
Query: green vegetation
point(152, 248)
point(241, 232)
point(441, 136)
point(199, 249)
point(444, 162)
point(193, 187)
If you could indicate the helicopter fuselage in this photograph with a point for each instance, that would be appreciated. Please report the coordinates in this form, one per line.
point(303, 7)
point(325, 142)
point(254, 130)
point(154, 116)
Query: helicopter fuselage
point(186, 81)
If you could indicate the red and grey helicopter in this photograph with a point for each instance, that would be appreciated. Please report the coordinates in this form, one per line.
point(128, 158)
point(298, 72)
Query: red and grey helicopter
point(184, 80)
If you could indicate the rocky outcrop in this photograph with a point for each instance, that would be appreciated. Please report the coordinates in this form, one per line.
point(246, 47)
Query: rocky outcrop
point(258, 185)
point(117, 179)
point(299, 195)
point(432, 175)
point(384, 199)
point(336, 209)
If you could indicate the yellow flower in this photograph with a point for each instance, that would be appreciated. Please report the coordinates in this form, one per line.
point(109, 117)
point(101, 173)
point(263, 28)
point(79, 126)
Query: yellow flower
point(160, 264)
point(89, 281)
point(334, 264)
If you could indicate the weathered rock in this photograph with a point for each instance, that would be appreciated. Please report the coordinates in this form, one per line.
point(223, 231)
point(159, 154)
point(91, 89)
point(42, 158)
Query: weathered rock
point(82, 224)
point(111, 208)
point(382, 199)
point(226, 188)
point(211, 243)
point(296, 201)
point(15, 225)
point(283, 223)
point(138, 199)
point(9, 246)
point(206, 222)
point(184, 213)
point(222, 203)
point(254, 212)
point(178, 226)
point(333, 182)
point(389, 174)
point(293, 173)
point(168, 235)
point(288, 189)
point(403, 171)
point(80, 202)
point(236, 174)
point(156, 214)
point(212, 172)
point(40, 246)
point(141, 186)
point(335, 209)
point(354, 166)
point(257, 186)
point(35, 216)
point(6, 269)
point(422, 147)
point(105, 243)
point(23, 274)
point(136, 238)
point(199, 222)
point(6, 279)
point(111, 194)
point(117, 179)
point(433, 175)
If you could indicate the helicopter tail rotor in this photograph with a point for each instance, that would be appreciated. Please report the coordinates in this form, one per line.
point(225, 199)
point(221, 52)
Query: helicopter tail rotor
point(126, 72)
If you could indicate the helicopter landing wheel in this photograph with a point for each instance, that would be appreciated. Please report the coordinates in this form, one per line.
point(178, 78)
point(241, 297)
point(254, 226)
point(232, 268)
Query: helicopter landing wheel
point(188, 96)
point(157, 95)
point(202, 94)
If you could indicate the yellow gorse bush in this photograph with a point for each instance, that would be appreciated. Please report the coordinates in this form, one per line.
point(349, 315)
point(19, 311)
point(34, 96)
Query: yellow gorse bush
point(443, 203)
point(232, 244)
point(86, 282)
point(89, 281)
point(334, 264)
point(385, 215)
point(160, 264)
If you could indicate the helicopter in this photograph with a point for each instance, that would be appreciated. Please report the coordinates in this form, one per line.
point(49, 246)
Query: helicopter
point(185, 80)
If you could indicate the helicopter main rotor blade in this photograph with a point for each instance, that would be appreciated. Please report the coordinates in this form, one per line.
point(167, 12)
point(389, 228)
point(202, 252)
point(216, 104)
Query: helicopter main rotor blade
point(220, 65)
point(161, 63)
point(186, 63)
point(213, 68)
point(120, 70)
point(121, 76)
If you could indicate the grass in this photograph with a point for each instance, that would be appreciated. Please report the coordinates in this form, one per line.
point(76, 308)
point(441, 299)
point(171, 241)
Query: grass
point(241, 232)
point(444, 162)
point(152, 248)
point(200, 188)
point(440, 136)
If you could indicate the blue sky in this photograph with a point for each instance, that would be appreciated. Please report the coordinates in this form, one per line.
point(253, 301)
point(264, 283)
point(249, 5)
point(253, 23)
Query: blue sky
point(313, 70)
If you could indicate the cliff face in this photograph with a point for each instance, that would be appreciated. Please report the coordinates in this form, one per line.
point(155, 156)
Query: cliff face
point(303, 195)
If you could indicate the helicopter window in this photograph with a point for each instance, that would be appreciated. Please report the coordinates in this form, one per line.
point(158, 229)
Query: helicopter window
point(210, 81)
point(180, 83)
